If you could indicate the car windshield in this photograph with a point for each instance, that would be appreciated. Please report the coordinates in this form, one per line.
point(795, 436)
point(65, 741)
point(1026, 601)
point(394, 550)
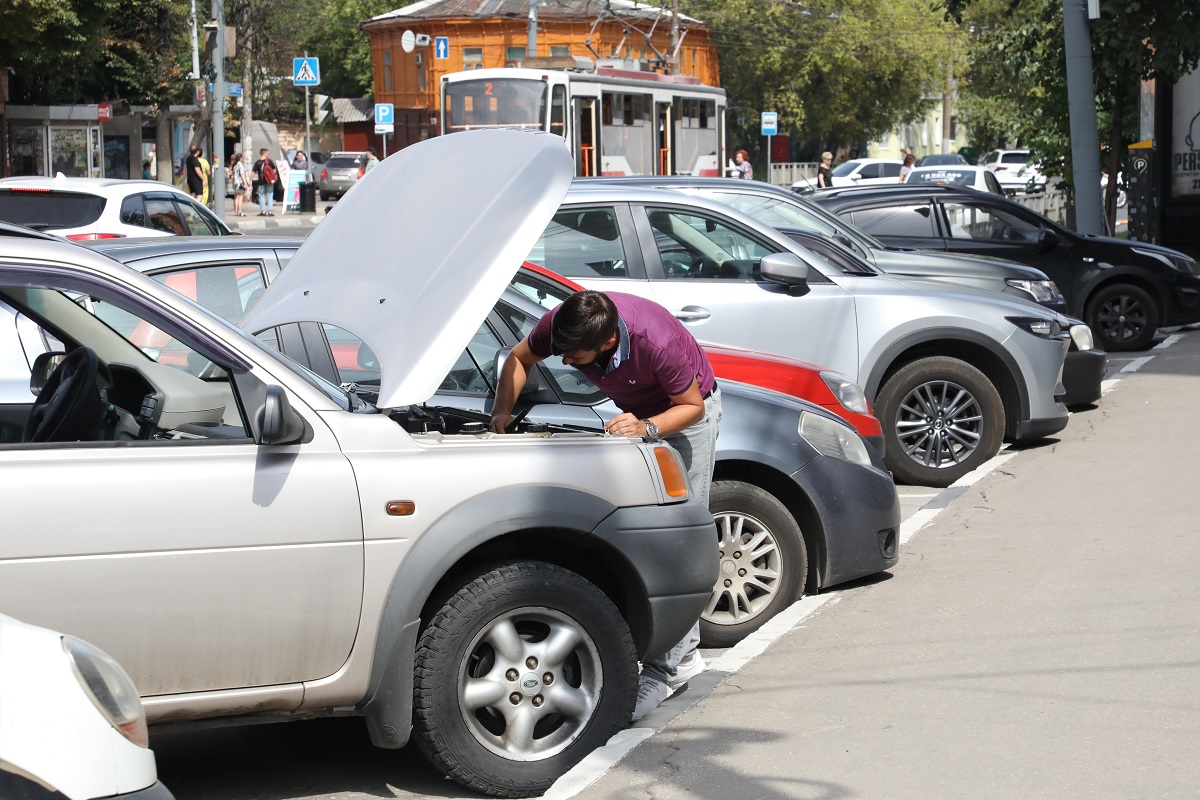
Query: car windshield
point(842, 170)
point(42, 209)
point(775, 211)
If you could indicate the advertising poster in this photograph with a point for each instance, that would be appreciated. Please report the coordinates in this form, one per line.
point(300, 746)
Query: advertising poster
point(1185, 135)
point(292, 197)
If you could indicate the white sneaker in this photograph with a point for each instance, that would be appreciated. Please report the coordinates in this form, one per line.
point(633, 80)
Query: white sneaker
point(689, 667)
point(650, 694)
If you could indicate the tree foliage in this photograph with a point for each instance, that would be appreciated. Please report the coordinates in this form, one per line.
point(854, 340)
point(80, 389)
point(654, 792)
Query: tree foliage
point(838, 72)
point(346, 69)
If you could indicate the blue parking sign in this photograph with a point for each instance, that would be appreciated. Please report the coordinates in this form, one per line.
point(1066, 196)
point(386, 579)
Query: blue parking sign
point(385, 113)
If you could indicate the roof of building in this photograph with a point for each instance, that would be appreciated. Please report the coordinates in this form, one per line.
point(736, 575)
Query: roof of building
point(561, 9)
point(353, 109)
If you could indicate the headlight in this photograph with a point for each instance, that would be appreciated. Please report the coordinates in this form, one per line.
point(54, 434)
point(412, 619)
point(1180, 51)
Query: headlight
point(848, 393)
point(1040, 291)
point(110, 689)
point(1082, 336)
point(1045, 328)
point(834, 439)
point(1174, 260)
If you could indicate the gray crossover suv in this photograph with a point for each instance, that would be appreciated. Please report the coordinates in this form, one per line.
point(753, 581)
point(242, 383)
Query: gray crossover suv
point(250, 540)
point(951, 371)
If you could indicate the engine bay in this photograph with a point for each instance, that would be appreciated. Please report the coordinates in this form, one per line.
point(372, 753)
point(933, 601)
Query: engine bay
point(418, 419)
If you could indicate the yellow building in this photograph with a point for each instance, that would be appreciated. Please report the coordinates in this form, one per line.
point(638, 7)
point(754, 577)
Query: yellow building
point(412, 47)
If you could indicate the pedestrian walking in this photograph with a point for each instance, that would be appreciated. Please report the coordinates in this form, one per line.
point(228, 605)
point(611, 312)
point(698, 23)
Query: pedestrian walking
point(741, 166)
point(372, 160)
point(194, 173)
point(265, 176)
point(206, 171)
point(656, 372)
point(825, 171)
point(907, 167)
point(241, 183)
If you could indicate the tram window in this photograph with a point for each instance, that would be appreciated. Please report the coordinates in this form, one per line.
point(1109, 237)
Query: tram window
point(558, 110)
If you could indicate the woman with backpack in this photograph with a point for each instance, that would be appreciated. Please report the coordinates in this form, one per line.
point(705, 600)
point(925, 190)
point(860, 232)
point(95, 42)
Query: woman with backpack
point(265, 175)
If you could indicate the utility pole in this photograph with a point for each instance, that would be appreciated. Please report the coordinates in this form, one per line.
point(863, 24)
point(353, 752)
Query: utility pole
point(216, 182)
point(195, 76)
point(948, 108)
point(307, 131)
point(531, 43)
point(1081, 105)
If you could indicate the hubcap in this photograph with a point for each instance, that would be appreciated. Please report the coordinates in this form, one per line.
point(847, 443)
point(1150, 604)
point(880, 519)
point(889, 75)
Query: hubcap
point(751, 567)
point(530, 684)
point(1121, 319)
point(939, 424)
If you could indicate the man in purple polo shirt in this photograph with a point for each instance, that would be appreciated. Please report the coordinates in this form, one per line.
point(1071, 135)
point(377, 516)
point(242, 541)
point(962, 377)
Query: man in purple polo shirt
point(656, 372)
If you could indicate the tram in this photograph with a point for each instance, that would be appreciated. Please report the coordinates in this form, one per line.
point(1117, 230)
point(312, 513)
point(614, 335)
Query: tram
point(617, 121)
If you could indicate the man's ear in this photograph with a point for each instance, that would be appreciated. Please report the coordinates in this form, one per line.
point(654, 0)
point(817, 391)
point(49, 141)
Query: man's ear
point(612, 342)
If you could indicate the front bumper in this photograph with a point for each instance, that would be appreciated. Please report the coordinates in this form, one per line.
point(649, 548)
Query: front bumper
point(1184, 307)
point(673, 550)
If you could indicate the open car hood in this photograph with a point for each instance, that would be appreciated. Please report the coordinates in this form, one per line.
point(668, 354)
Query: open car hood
point(413, 258)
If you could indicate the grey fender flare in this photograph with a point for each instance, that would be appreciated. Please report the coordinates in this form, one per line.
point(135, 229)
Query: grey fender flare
point(884, 362)
point(388, 704)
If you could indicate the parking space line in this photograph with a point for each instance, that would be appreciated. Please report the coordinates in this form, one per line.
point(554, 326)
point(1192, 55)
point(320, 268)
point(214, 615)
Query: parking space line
point(602, 759)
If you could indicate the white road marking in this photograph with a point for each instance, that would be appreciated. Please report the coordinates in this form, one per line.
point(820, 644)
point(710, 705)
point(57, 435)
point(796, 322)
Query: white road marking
point(602, 759)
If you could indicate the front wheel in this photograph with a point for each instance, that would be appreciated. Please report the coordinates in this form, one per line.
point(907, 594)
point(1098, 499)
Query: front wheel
point(1124, 316)
point(519, 674)
point(941, 419)
point(764, 563)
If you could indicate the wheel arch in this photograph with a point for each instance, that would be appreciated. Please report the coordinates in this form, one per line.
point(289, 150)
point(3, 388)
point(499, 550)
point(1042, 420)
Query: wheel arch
point(550, 524)
point(780, 486)
point(975, 349)
point(1119, 275)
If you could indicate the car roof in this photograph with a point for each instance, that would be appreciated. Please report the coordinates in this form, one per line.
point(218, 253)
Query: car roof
point(653, 181)
point(84, 184)
point(127, 250)
point(944, 167)
point(856, 193)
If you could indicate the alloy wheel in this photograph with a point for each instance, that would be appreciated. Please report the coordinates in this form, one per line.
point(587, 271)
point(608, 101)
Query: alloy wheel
point(751, 568)
point(939, 424)
point(1122, 318)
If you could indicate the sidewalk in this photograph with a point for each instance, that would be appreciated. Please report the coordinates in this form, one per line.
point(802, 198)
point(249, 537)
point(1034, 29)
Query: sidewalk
point(292, 220)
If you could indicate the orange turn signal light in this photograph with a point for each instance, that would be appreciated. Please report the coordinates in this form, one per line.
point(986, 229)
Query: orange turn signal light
point(401, 508)
point(674, 480)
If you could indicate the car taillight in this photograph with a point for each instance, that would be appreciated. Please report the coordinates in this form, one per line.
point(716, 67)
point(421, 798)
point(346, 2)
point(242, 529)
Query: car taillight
point(324, 175)
point(85, 237)
point(362, 171)
point(1001, 169)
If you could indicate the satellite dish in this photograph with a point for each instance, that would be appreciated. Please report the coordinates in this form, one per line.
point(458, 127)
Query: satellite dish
point(408, 41)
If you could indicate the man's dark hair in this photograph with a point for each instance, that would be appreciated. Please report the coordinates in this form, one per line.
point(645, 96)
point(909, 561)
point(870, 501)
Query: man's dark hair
point(585, 321)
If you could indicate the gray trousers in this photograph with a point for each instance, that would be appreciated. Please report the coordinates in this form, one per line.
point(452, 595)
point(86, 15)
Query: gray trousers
point(698, 446)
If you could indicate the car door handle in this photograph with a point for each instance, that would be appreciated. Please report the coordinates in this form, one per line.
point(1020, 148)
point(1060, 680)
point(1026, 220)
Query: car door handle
point(691, 313)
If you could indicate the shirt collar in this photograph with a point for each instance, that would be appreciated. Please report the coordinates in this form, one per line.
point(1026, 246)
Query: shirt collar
point(622, 349)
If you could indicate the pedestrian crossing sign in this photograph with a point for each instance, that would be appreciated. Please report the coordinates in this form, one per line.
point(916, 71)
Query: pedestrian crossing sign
point(306, 71)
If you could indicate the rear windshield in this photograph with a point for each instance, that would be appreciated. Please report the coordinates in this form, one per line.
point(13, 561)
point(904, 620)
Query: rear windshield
point(842, 170)
point(1014, 158)
point(947, 176)
point(42, 210)
point(343, 162)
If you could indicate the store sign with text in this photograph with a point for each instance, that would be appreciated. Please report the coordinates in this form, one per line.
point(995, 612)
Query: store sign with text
point(1185, 136)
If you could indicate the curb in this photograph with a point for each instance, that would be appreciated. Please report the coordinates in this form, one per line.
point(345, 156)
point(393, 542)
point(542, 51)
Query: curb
point(256, 223)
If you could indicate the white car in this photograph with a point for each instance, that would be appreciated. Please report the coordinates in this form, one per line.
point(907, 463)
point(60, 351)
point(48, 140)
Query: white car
point(971, 177)
point(71, 721)
point(1014, 171)
point(105, 208)
point(867, 171)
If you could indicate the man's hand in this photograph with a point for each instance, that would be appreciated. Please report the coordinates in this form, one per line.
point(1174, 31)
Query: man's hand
point(626, 425)
point(499, 422)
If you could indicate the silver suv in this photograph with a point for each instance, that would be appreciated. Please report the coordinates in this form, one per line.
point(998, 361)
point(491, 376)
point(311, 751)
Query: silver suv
point(951, 371)
point(252, 541)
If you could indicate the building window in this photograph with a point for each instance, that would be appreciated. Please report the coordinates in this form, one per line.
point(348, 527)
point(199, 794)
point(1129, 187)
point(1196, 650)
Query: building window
point(885, 141)
point(513, 56)
point(387, 70)
point(560, 49)
point(472, 58)
point(420, 73)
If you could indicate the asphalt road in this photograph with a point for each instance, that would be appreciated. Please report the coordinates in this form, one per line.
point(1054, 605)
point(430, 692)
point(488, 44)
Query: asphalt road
point(1037, 639)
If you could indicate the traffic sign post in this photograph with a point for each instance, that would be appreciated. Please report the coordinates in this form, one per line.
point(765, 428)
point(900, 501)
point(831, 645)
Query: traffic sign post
point(306, 72)
point(770, 127)
point(385, 121)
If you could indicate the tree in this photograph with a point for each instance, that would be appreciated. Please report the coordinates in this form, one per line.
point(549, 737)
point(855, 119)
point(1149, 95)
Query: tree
point(345, 51)
point(837, 72)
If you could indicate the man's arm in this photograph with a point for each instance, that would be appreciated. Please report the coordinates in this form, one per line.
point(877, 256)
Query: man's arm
point(687, 409)
point(512, 380)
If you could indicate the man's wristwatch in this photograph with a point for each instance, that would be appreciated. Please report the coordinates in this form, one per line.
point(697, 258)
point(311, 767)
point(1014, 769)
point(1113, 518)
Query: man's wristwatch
point(651, 429)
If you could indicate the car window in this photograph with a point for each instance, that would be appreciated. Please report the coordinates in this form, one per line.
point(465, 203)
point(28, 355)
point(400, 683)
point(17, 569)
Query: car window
point(582, 243)
point(914, 220)
point(133, 211)
point(197, 224)
point(697, 246)
point(943, 176)
point(991, 157)
point(845, 169)
point(344, 162)
point(164, 216)
point(49, 209)
point(890, 170)
point(971, 221)
point(572, 387)
point(474, 372)
point(773, 211)
point(545, 293)
point(354, 360)
point(870, 171)
point(1014, 158)
point(992, 182)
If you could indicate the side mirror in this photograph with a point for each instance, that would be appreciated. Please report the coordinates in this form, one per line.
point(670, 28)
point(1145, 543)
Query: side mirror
point(277, 422)
point(788, 269)
point(1048, 239)
point(533, 381)
point(43, 367)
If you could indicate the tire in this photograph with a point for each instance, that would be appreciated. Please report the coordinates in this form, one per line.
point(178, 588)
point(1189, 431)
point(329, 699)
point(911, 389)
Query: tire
point(1123, 317)
point(764, 564)
point(589, 697)
point(941, 418)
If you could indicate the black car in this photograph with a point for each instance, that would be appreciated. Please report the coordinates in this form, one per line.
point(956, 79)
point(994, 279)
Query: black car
point(808, 223)
point(1124, 290)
